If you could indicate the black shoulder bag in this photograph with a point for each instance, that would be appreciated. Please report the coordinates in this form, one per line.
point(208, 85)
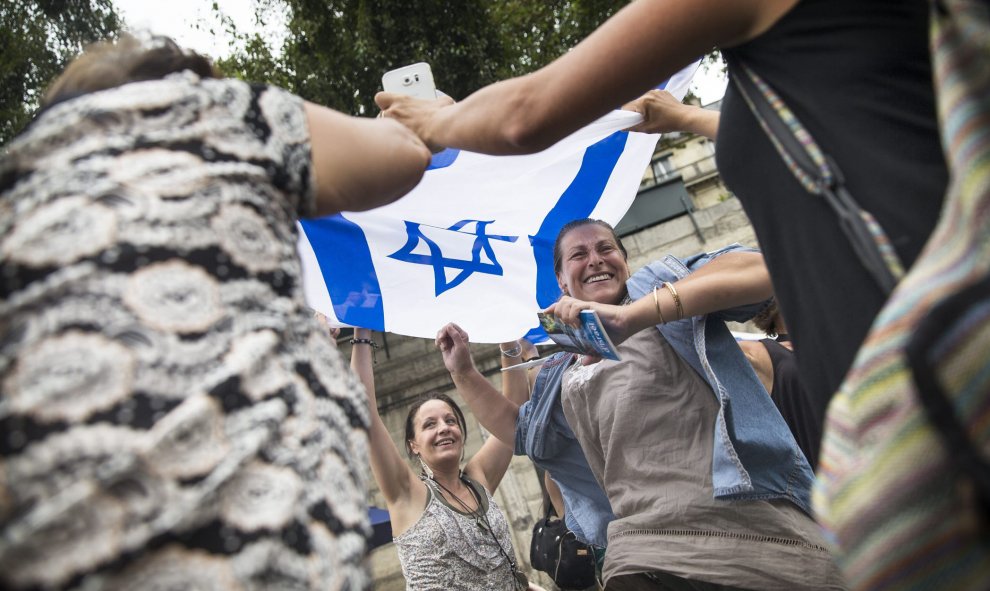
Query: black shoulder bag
point(556, 551)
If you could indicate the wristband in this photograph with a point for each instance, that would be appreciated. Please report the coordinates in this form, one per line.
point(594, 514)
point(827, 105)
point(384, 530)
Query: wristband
point(514, 352)
point(370, 343)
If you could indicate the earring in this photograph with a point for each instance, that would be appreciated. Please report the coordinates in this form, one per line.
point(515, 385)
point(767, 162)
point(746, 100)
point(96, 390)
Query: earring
point(426, 469)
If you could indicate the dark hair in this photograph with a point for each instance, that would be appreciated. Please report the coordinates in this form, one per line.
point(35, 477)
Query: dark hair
point(108, 64)
point(558, 256)
point(410, 426)
point(768, 320)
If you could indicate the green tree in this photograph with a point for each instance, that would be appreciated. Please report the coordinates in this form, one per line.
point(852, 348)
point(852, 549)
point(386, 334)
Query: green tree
point(37, 39)
point(335, 51)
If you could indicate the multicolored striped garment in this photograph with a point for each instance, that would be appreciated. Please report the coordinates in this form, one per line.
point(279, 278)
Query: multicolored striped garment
point(899, 512)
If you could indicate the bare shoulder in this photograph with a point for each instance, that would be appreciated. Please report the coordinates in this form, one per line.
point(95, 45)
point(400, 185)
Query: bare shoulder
point(474, 471)
point(405, 512)
point(755, 353)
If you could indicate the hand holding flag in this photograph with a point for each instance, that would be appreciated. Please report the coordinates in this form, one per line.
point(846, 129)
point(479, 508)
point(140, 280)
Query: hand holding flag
point(472, 243)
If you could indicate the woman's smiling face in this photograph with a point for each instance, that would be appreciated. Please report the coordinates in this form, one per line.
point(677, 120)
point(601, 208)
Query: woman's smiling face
point(593, 267)
point(438, 436)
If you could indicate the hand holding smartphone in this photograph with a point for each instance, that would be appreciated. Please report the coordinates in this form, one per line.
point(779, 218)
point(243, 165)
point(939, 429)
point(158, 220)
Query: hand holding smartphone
point(415, 80)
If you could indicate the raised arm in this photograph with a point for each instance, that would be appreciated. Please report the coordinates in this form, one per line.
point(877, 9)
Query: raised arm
point(493, 458)
point(361, 163)
point(395, 478)
point(730, 280)
point(495, 412)
point(643, 44)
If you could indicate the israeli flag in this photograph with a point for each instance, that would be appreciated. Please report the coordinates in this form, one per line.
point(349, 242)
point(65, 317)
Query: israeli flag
point(473, 242)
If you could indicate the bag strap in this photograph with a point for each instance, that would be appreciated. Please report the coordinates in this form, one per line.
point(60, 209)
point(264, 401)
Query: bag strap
point(819, 174)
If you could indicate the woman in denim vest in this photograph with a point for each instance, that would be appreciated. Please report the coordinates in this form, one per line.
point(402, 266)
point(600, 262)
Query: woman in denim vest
point(708, 487)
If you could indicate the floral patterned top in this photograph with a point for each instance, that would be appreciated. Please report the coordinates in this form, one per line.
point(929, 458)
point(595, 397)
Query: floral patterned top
point(171, 415)
point(448, 549)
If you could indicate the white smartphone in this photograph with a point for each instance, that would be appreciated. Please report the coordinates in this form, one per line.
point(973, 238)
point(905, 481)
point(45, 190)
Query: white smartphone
point(415, 80)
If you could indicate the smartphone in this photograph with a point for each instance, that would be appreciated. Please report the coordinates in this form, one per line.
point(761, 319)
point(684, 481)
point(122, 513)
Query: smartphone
point(415, 80)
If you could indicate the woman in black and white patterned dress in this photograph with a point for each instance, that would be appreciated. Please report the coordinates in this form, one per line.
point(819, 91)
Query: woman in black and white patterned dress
point(171, 415)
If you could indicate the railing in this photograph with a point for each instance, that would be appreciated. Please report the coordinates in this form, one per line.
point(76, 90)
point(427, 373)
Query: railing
point(687, 173)
point(698, 168)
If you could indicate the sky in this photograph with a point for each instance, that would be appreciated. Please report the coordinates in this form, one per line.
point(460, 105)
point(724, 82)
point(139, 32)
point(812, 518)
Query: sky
point(189, 23)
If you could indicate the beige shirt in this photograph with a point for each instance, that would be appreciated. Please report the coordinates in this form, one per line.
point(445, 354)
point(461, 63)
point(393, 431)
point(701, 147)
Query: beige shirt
point(646, 425)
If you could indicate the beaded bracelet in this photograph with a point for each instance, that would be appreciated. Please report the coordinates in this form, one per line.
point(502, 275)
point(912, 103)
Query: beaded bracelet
point(371, 343)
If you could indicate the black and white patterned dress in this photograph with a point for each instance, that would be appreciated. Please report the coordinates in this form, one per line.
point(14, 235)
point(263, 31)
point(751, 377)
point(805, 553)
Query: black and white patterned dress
point(171, 415)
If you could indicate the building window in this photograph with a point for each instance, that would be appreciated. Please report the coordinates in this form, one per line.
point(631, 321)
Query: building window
point(663, 168)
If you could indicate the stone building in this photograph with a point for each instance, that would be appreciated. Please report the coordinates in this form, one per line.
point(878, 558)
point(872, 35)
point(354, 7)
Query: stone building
point(682, 208)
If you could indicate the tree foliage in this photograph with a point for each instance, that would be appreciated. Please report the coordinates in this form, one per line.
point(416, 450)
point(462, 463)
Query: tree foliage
point(335, 51)
point(37, 40)
point(332, 52)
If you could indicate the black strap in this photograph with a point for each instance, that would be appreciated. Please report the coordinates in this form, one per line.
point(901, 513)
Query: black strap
point(820, 176)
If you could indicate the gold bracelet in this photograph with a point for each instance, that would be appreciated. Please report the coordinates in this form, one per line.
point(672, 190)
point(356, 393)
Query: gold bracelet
point(656, 302)
point(677, 299)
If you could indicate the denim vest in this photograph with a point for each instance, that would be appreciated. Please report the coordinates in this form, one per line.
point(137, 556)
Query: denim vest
point(755, 454)
point(542, 433)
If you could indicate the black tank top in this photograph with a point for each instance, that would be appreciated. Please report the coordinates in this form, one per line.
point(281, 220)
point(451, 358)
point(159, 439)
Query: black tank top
point(792, 400)
point(858, 75)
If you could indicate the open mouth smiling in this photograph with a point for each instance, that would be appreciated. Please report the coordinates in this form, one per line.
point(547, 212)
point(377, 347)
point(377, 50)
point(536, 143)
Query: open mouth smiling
point(599, 277)
point(444, 442)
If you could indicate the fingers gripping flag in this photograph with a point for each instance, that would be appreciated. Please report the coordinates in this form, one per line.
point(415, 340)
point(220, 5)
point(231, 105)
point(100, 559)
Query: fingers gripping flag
point(473, 242)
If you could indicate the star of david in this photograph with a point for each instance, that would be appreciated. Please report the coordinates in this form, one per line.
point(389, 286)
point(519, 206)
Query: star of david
point(440, 263)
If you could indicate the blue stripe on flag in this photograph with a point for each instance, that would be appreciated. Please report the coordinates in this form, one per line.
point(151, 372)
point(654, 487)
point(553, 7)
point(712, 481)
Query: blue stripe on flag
point(576, 202)
point(347, 269)
point(443, 159)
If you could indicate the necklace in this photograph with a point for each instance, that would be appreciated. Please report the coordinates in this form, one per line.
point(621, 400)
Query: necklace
point(478, 514)
point(521, 580)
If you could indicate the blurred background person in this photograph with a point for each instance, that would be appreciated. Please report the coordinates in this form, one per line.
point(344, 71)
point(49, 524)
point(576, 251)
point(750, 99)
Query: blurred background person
point(774, 361)
point(172, 415)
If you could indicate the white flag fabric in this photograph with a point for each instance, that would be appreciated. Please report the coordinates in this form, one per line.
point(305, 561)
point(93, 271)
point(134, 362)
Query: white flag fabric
point(473, 242)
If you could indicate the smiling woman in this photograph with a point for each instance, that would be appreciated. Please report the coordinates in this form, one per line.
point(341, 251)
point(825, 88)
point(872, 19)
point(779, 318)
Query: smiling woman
point(662, 397)
point(449, 532)
point(590, 262)
point(637, 437)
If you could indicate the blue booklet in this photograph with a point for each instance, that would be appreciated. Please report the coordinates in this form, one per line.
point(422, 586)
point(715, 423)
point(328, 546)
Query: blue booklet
point(589, 339)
